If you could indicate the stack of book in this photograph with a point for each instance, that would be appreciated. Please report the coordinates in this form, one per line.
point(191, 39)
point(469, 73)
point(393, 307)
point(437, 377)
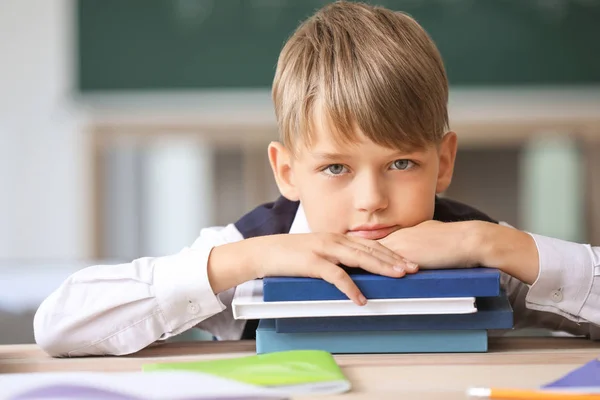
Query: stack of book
point(432, 311)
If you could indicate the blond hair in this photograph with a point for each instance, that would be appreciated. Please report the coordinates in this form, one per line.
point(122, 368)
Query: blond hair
point(366, 67)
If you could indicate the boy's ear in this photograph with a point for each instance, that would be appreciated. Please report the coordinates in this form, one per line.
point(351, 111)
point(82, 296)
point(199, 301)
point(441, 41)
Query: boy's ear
point(281, 164)
point(447, 156)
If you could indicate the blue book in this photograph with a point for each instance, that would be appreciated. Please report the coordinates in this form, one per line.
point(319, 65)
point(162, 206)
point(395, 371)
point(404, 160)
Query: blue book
point(470, 282)
point(445, 341)
point(492, 313)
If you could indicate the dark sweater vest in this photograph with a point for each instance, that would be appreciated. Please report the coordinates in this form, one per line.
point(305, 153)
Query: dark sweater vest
point(277, 217)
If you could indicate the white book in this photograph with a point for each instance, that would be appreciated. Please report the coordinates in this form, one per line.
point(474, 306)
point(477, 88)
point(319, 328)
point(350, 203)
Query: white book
point(248, 303)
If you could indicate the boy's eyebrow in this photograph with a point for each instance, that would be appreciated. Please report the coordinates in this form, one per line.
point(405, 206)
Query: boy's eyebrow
point(406, 153)
point(330, 156)
point(338, 156)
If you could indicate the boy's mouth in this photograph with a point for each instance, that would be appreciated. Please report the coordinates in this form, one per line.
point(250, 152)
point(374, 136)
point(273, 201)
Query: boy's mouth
point(373, 232)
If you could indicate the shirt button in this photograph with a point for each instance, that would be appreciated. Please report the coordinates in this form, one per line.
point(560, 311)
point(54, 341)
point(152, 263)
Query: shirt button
point(193, 308)
point(557, 296)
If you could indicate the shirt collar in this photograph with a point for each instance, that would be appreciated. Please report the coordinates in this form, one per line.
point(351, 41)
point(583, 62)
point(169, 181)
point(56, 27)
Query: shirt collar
point(300, 223)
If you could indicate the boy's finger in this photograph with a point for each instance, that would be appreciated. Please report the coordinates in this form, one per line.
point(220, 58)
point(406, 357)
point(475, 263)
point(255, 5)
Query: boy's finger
point(358, 257)
point(377, 252)
point(375, 246)
point(336, 276)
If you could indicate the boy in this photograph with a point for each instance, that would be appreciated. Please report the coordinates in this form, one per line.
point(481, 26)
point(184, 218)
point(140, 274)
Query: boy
point(360, 96)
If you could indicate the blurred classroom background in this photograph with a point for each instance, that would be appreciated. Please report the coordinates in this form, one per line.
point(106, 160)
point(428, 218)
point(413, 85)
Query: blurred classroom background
point(127, 126)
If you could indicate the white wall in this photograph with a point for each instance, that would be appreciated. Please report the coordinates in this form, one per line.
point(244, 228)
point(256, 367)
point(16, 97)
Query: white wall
point(42, 163)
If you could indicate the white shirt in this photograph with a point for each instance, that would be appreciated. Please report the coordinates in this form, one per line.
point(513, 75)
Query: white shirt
point(120, 309)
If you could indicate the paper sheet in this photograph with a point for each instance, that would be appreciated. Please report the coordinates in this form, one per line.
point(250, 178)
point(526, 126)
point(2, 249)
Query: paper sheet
point(129, 385)
point(585, 379)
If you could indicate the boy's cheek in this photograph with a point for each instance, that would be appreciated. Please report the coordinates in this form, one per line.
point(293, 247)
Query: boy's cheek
point(326, 216)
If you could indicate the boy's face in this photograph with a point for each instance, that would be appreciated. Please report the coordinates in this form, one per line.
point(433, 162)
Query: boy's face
point(362, 188)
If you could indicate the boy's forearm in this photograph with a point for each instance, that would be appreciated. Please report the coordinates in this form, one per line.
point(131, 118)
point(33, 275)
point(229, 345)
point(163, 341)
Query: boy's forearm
point(510, 250)
point(230, 265)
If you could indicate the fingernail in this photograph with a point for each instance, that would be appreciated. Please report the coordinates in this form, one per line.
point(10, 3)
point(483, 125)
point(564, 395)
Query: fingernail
point(398, 268)
point(411, 265)
point(362, 300)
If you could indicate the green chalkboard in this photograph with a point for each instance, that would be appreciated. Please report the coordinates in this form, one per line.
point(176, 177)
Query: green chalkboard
point(196, 44)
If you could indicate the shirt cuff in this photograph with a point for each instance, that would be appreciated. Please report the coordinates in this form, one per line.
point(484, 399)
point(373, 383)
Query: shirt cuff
point(183, 291)
point(564, 282)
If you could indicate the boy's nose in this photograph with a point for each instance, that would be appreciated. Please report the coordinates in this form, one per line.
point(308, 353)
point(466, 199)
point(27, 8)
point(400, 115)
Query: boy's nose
point(370, 194)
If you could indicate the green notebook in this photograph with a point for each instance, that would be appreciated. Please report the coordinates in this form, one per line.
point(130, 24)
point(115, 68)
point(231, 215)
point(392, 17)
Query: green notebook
point(299, 371)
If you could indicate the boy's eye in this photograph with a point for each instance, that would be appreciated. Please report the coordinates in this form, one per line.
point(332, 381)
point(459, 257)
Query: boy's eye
point(335, 169)
point(402, 164)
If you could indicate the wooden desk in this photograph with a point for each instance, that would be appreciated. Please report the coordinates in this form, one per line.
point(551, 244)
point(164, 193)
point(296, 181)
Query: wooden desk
point(510, 362)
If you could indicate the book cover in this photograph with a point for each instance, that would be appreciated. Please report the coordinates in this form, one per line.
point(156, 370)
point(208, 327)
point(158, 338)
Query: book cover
point(470, 282)
point(303, 371)
point(445, 341)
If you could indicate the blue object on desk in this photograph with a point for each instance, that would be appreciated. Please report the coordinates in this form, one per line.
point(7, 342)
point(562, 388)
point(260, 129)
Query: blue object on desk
point(586, 376)
point(445, 341)
point(470, 282)
point(492, 313)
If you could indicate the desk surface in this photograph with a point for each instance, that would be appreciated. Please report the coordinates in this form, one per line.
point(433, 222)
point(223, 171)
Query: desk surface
point(510, 362)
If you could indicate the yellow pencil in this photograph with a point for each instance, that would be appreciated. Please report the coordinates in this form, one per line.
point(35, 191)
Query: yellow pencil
point(524, 394)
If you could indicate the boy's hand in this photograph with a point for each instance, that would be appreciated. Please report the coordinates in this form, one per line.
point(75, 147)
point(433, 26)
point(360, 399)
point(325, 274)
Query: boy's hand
point(314, 255)
point(434, 244)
